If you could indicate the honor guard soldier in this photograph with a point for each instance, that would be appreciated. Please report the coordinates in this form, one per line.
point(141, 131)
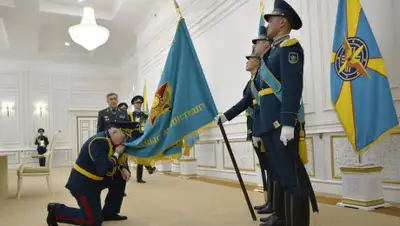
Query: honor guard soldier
point(283, 118)
point(139, 116)
point(96, 168)
point(41, 141)
point(261, 47)
point(111, 114)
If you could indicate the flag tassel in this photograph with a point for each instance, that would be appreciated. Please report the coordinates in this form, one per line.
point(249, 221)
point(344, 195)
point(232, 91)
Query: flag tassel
point(303, 146)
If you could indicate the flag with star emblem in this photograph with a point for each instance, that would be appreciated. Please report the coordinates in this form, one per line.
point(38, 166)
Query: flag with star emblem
point(360, 90)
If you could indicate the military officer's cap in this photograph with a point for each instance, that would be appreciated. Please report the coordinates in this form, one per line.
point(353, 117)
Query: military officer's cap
point(283, 9)
point(262, 35)
point(126, 127)
point(252, 55)
point(41, 130)
point(137, 97)
point(123, 105)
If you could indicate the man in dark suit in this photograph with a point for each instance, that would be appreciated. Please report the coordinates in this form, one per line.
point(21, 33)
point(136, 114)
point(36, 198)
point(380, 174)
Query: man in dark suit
point(97, 167)
point(140, 117)
point(41, 141)
point(111, 114)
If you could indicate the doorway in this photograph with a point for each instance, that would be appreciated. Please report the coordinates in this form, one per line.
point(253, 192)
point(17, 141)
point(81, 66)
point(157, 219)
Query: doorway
point(86, 128)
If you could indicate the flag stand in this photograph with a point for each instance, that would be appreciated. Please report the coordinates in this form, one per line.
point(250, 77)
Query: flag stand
point(246, 195)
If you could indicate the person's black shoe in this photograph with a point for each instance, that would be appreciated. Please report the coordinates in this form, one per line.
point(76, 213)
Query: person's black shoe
point(113, 217)
point(266, 210)
point(261, 206)
point(141, 181)
point(152, 169)
point(124, 194)
point(51, 215)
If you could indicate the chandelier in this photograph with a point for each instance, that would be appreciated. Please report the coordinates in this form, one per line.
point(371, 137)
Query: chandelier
point(88, 34)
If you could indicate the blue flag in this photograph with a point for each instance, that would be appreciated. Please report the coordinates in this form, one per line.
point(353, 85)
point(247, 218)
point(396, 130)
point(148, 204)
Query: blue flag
point(183, 104)
point(360, 90)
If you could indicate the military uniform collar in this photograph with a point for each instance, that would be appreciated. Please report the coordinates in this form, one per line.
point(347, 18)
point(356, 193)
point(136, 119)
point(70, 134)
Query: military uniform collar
point(279, 40)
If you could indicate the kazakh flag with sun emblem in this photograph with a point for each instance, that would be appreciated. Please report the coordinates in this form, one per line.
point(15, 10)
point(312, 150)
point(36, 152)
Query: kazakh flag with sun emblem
point(360, 89)
point(182, 105)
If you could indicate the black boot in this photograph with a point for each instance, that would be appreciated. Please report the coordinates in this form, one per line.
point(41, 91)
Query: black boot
point(299, 211)
point(51, 214)
point(113, 217)
point(288, 213)
point(278, 217)
point(268, 207)
point(261, 206)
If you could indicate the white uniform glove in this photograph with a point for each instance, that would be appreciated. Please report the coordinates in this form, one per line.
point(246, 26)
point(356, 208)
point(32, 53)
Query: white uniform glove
point(222, 117)
point(256, 140)
point(287, 134)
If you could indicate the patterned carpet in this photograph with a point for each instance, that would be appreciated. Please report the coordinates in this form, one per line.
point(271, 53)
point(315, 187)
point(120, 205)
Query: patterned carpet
point(167, 201)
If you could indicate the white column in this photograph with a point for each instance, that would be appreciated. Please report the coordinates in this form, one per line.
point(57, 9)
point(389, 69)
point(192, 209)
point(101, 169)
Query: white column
point(164, 166)
point(188, 167)
point(176, 167)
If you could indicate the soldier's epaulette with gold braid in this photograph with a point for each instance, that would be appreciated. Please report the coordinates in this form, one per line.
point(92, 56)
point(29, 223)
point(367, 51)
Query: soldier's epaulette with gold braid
point(289, 42)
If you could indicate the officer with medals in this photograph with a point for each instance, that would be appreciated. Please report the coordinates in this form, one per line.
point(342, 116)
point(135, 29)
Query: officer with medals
point(283, 118)
point(140, 117)
point(111, 114)
point(41, 141)
point(97, 167)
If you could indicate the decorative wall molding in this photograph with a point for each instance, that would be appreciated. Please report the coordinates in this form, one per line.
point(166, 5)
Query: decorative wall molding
point(61, 156)
point(386, 154)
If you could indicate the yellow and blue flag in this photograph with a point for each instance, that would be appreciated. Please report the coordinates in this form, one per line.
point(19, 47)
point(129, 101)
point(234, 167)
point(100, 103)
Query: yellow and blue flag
point(182, 106)
point(360, 90)
point(145, 103)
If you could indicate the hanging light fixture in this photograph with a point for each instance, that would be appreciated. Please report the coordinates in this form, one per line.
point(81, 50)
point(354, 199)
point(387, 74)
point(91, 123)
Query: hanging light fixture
point(88, 34)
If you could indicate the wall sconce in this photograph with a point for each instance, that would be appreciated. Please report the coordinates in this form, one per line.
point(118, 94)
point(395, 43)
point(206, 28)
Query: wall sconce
point(8, 108)
point(40, 109)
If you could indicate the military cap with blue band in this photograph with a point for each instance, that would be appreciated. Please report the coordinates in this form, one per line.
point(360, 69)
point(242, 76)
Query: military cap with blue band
point(283, 9)
point(137, 97)
point(262, 35)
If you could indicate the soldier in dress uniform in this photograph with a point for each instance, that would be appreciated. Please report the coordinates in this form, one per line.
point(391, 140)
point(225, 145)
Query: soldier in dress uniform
point(97, 167)
point(111, 114)
point(139, 116)
point(282, 118)
point(41, 141)
point(261, 47)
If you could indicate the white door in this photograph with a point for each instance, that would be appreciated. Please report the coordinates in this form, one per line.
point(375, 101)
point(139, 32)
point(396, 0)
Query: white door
point(87, 127)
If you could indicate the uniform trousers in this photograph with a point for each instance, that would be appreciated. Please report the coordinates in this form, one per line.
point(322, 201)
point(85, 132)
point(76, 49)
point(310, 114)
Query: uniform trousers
point(90, 212)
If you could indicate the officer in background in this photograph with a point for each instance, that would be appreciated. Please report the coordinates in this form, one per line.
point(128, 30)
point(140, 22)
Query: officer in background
point(123, 106)
point(41, 141)
point(111, 114)
point(140, 117)
point(281, 122)
point(96, 168)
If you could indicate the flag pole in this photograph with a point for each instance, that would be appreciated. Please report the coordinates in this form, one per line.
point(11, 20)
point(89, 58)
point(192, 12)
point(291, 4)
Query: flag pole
point(178, 9)
point(228, 146)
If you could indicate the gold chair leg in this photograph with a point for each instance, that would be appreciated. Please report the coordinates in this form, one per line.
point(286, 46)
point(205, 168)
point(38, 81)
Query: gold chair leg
point(19, 187)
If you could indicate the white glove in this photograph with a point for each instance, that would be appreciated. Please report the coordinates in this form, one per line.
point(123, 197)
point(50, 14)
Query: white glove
point(221, 117)
point(287, 134)
point(256, 140)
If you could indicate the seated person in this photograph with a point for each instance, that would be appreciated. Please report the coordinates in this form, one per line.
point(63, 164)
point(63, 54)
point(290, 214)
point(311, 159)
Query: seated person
point(96, 168)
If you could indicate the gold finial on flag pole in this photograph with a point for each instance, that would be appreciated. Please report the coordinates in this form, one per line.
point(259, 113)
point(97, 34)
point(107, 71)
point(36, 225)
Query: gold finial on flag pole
point(262, 6)
point(178, 9)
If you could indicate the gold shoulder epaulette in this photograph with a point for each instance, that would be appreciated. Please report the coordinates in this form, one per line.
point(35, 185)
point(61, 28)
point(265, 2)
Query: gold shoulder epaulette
point(289, 42)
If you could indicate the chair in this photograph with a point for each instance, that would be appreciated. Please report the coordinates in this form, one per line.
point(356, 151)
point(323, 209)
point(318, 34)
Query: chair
point(24, 171)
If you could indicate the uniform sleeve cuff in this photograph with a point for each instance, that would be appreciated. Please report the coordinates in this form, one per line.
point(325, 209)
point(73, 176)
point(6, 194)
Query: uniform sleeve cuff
point(288, 118)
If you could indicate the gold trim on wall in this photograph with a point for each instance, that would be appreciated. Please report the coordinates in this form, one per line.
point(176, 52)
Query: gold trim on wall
point(214, 149)
point(347, 169)
point(188, 160)
point(333, 160)
point(241, 169)
point(313, 156)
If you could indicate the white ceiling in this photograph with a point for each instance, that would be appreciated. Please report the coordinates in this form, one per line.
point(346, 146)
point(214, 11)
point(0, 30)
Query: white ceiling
point(38, 29)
